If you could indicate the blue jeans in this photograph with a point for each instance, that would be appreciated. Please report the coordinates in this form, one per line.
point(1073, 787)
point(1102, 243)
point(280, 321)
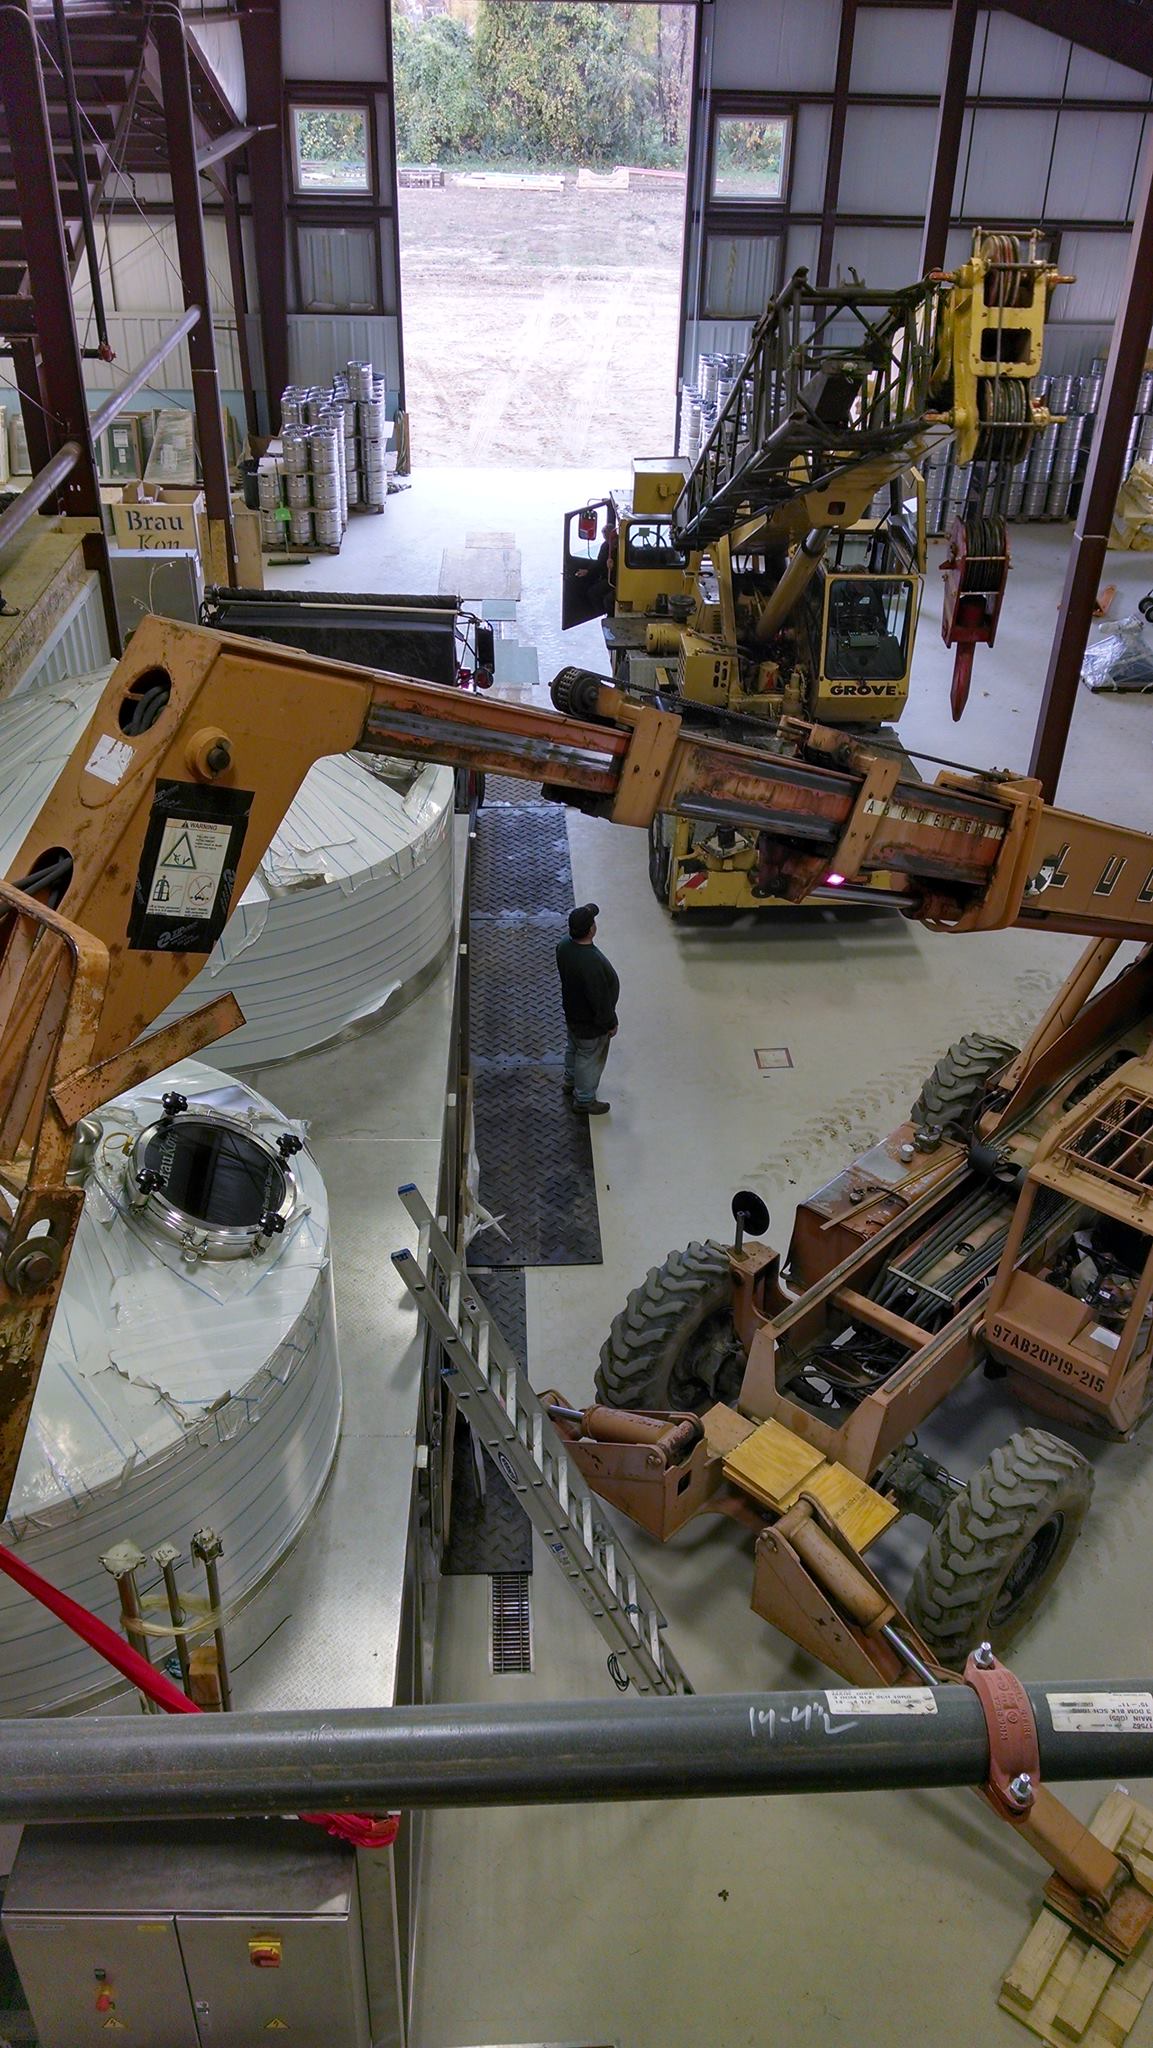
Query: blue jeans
point(584, 1063)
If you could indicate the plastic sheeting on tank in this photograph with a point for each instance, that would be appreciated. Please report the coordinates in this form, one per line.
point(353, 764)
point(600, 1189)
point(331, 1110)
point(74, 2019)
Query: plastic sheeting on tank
point(353, 899)
point(170, 1398)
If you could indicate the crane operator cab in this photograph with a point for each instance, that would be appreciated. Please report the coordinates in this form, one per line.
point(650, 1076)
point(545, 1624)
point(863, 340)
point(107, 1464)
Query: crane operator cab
point(858, 624)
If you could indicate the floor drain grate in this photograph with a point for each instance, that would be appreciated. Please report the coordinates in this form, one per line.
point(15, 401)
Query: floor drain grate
point(511, 1621)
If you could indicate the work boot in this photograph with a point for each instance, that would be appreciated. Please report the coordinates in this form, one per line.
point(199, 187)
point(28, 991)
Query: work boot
point(591, 1108)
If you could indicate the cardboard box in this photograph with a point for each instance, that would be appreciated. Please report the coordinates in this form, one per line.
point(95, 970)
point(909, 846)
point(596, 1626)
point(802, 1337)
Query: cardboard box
point(249, 559)
point(172, 456)
point(168, 516)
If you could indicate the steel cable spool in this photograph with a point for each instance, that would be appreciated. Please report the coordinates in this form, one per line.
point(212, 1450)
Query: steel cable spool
point(1003, 404)
point(985, 544)
point(1004, 286)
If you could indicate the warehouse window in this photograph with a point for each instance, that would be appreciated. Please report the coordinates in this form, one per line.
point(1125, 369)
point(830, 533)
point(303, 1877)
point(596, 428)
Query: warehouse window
point(750, 158)
point(330, 149)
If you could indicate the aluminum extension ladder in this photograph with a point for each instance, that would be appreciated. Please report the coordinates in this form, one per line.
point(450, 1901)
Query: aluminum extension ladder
point(502, 1410)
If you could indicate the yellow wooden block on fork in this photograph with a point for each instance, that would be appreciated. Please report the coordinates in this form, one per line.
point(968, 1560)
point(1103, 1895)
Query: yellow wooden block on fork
point(772, 1464)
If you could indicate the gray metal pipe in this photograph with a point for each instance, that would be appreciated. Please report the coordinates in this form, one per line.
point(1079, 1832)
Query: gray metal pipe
point(44, 485)
point(196, 1766)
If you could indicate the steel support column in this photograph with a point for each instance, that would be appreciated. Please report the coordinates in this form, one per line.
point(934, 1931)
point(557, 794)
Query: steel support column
point(232, 229)
point(264, 73)
point(947, 146)
point(836, 148)
point(167, 32)
point(1103, 480)
point(49, 270)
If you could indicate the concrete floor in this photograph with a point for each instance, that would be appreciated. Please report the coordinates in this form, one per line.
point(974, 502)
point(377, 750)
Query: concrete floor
point(829, 1921)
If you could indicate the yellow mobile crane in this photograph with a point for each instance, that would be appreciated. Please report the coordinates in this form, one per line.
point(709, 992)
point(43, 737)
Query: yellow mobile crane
point(761, 584)
point(784, 1395)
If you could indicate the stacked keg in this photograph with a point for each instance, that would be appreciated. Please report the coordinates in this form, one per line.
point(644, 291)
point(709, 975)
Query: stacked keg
point(1048, 486)
point(702, 402)
point(332, 458)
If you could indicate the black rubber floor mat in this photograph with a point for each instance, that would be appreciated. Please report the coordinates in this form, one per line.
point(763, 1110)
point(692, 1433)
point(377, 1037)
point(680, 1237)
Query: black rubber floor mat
point(521, 861)
point(536, 1169)
point(489, 1530)
point(536, 1160)
point(506, 789)
point(515, 1007)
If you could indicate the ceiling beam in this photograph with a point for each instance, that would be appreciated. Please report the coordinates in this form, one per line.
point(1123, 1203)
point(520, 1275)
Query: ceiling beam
point(1113, 28)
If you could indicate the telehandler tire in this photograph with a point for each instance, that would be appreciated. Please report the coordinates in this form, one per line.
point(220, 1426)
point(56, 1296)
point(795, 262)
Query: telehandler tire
point(957, 1082)
point(999, 1545)
point(674, 1343)
point(660, 860)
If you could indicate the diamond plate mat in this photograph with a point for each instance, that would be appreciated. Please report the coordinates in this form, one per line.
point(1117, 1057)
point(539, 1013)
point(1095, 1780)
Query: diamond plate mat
point(521, 861)
point(536, 1161)
point(489, 1530)
point(507, 789)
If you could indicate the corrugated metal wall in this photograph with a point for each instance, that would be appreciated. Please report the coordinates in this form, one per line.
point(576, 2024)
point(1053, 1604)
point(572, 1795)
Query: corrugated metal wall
point(1048, 164)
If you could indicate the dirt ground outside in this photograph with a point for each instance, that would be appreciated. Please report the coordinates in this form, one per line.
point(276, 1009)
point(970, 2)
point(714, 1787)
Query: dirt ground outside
point(540, 328)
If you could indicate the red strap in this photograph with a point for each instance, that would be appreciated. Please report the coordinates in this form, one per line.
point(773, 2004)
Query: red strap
point(351, 1827)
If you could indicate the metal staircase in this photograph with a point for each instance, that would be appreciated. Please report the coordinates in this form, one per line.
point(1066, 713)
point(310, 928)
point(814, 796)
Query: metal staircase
point(501, 1409)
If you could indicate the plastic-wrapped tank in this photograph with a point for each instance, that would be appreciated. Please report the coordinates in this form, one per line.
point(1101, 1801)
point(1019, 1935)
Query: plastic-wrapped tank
point(192, 1374)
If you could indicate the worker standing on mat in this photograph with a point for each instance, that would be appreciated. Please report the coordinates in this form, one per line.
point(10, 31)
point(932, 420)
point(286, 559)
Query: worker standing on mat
point(589, 991)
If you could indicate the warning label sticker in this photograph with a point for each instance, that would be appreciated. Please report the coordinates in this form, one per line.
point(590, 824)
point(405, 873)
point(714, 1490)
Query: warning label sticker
point(913, 1699)
point(190, 863)
point(1088, 1713)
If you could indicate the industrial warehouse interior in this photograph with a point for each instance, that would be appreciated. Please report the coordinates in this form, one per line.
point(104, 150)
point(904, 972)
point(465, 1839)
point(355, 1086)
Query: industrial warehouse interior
point(576, 1023)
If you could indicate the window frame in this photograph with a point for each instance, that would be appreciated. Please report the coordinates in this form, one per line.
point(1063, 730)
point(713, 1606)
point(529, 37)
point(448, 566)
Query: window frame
point(340, 99)
point(741, 106)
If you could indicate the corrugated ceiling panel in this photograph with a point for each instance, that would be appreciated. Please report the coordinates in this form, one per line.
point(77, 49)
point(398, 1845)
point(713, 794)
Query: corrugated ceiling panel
point(1093, 166)
point(1095, 78)
point(810, 149)
point(885, 167)
point(801, 250)
point(1098, 263)
point(337, 269)
point(1013, 58)
point(331, 39)
point(882, 256)
point(1007, 164)
point(899, 48)
point(772, 45)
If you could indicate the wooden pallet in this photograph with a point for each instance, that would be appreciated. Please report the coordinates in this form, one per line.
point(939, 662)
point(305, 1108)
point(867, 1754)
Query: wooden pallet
point(1059, 1984)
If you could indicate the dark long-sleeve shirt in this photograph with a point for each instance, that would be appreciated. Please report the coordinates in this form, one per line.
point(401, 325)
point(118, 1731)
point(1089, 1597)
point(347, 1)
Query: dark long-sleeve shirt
point(589, 989)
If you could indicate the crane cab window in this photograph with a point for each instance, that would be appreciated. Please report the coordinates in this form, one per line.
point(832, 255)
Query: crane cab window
point(649, 545)
point(868, 621)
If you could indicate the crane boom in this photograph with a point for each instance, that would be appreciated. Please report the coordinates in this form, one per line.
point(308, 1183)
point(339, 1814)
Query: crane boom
point(209, 732)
